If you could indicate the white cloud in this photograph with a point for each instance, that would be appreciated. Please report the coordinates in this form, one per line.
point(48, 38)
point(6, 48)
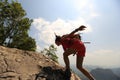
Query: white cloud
point(45, 29)
point(44, 36)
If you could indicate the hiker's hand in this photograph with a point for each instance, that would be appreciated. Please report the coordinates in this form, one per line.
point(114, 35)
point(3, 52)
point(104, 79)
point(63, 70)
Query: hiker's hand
point(82, 27)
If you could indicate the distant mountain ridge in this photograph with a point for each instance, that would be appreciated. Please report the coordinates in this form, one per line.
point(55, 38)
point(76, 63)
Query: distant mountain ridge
point(99, 73)
point(116, 71)
point(104, 74)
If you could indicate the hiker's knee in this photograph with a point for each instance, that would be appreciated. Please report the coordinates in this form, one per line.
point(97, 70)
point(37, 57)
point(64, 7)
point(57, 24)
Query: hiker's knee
point(65, 54)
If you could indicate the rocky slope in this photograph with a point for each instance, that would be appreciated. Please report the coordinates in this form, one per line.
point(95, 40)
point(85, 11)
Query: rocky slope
point(26, 65)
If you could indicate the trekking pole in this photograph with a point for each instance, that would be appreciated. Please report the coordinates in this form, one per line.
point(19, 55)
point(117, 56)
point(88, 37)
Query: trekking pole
point(86, 42)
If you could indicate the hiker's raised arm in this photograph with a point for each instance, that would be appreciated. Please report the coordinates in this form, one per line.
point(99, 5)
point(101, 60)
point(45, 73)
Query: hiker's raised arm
point(81, 28)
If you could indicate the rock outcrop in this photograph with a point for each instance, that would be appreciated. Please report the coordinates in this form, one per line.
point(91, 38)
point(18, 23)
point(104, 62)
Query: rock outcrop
point(17, 64)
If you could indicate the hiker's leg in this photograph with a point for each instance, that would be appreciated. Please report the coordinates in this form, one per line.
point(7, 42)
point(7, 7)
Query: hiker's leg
point(65, 57)
point(84, 71)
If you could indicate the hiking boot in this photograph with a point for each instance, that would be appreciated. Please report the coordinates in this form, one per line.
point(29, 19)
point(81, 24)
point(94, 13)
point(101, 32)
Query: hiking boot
point(67, 74)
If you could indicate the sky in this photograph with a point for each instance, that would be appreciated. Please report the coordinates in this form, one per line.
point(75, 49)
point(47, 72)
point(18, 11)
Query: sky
point(102, 18)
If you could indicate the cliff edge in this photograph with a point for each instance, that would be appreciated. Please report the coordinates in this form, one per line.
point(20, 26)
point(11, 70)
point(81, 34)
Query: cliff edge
point(18, 64)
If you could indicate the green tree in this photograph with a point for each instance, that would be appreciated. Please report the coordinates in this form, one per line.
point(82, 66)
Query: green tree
point(14, 26)
point(51, 53)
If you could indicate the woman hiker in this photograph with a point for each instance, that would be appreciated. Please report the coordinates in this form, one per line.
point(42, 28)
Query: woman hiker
point(72, 44)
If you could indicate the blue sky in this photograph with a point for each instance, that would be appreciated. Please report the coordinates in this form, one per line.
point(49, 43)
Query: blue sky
point(102, 18)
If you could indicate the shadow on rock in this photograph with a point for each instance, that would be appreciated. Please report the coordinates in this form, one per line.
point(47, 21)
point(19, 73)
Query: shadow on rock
point(48, 73)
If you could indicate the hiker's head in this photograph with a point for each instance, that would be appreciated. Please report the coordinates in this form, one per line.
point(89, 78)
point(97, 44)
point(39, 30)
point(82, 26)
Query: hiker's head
point(58, 40)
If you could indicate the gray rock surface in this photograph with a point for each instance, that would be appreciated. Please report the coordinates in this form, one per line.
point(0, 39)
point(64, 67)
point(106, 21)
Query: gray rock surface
point(18, 64)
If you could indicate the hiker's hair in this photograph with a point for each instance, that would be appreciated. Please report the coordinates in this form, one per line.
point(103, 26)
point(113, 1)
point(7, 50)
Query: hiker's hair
point(57, 38)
